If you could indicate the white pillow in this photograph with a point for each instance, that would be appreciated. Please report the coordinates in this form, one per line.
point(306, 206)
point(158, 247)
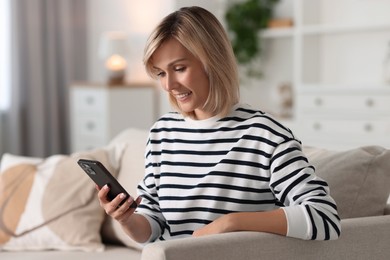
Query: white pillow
point(359, 179)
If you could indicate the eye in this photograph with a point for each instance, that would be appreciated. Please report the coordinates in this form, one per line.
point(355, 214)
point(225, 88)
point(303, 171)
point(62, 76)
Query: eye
point(160, 74)
point(180, 68)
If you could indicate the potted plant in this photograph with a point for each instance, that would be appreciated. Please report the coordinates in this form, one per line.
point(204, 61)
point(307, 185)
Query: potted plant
point(245, 20)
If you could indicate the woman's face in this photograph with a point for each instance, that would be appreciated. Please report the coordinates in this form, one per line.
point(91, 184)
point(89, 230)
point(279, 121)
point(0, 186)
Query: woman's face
point(183, 76)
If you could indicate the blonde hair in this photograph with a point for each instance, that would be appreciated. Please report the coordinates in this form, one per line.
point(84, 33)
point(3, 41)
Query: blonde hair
point(200, 32)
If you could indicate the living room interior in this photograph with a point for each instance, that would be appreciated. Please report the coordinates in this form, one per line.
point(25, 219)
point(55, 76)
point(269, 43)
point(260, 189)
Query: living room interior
point(323, 71)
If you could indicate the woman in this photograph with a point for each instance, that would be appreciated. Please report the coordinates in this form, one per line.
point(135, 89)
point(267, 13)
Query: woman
point(217, 165)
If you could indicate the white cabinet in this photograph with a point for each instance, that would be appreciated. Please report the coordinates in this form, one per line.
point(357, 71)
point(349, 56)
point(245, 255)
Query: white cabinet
point(100, 112)
point(337, 47)
point(340, 118)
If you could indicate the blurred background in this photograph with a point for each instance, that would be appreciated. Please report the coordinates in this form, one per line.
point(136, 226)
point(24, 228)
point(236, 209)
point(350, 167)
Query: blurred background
point(323, 70)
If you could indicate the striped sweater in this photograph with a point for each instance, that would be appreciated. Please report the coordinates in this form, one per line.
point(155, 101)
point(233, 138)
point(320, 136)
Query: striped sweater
point(196, 171)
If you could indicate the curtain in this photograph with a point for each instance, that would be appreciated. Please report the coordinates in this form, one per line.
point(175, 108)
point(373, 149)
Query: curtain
point(48, 53)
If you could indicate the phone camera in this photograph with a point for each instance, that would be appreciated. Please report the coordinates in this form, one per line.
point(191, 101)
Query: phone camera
point(89, 169)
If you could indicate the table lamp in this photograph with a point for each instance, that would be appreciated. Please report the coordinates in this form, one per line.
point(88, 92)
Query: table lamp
point(113, 49)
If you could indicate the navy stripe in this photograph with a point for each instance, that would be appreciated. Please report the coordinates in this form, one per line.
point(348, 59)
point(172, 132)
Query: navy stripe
point(323, 202)
point(259, 139)
point(184, 141)
point(245, 163)
point(215, 141)
point(181, 233)
point(285, 178)
point(262, 115)
point(335, 227)
point(190, 152)
point(196, 209)
point(221, 152)
point(188, 164)
point(288, 162)
point(148, 197)
point(313, 226)
point(217, 198)
point(225, 161)
point(142, 206)
point(167, 119)
point(249, 111)
point(212, 185)
point(188, 221)
point(292, 185)
point(251, 151)
point(215, 173)
point(321, 189)
point(283, 153)
point(325, 223)
point(318, 182)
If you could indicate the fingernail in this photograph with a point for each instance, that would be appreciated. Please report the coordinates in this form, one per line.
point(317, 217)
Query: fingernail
point(122, 196)
point(105, 187)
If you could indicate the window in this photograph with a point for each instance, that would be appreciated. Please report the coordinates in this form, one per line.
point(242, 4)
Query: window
point(5, 50)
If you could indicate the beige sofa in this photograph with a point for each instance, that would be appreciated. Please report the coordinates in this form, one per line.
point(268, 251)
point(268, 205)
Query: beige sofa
point(359, 181)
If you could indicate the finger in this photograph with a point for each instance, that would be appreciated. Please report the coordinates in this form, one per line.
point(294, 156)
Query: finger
point(126, 209)
point(115, 204)
point(125, 206)
point(138, 200)
point(129, 203)
point(135, 203)
point(102, 194)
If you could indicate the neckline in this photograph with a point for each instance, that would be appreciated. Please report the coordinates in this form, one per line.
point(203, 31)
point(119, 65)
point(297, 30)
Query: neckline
point(208, 122)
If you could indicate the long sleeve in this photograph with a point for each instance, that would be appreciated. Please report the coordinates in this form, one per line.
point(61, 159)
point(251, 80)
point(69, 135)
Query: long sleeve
point(311, 212)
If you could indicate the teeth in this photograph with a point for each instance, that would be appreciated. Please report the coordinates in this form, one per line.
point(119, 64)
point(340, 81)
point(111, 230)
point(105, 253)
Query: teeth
point(183, 95)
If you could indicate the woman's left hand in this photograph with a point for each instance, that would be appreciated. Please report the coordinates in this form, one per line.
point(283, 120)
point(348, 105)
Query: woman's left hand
point(220, 225)
point(273, 221)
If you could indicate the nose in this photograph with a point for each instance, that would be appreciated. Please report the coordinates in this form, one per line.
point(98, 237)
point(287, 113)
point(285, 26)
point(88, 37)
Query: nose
point(169, 82)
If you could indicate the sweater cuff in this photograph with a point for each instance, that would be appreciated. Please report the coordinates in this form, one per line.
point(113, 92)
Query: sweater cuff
point(155, 227)
point(298, 223)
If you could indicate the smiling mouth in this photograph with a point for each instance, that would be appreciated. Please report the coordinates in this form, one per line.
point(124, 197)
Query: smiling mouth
point(183, 95)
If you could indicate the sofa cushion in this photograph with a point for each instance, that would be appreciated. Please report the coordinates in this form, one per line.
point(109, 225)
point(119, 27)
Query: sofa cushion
point(359, 179)
point(49, 203)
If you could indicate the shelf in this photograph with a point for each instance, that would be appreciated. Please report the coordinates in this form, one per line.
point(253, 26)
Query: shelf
point(343, 28)
point(336, 51)
point(323, 29)
point(277, 33)
point(345, 89)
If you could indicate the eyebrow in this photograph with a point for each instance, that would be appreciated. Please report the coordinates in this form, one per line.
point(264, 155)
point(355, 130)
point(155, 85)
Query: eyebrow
point(171, 63)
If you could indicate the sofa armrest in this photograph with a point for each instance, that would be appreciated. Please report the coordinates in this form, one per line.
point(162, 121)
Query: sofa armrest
point(361, 238)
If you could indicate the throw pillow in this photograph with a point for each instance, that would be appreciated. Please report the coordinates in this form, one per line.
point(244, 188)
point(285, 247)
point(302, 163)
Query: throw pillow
point(50, 203)
point(359, 179)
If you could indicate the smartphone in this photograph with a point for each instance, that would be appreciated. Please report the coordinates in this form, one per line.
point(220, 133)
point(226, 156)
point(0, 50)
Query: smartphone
point(101, 176)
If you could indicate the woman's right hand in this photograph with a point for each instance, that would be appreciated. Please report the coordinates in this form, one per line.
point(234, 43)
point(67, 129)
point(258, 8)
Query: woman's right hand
point(121, 213)
point(135, 225)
